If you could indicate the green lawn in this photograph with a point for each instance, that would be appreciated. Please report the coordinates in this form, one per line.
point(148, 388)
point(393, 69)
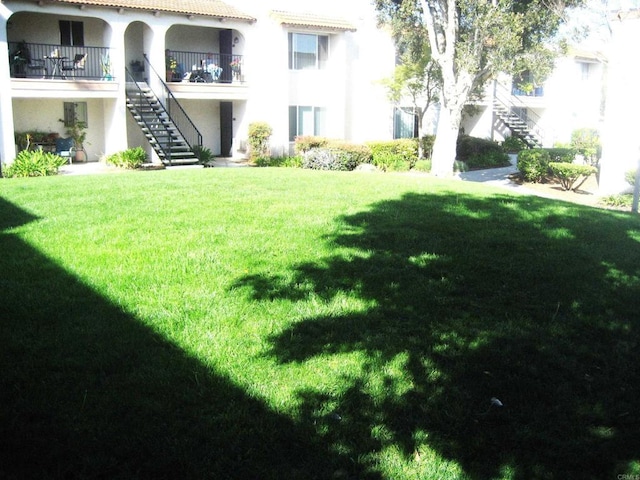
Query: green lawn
point(290, 324)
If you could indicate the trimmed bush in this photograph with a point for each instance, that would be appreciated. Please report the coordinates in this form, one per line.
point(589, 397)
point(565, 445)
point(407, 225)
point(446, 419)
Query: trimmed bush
point(323, 159)
point(259, 134)
point(131, 158)
point(34, 163)
point(480, 153)
point(422, 166)
point(306, 142)
point(394, 154)
point(357, 153)
point(570, 175)
point(561, 154)
point(533, 164)
point(514, 144)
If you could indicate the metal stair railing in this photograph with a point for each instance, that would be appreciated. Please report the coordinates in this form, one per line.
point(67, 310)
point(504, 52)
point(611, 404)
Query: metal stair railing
point(138, 95)
point(176, 113)
point(510, 102)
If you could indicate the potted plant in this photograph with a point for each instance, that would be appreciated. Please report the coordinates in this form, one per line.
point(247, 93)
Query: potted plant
point(236, 66)
point(78, 131)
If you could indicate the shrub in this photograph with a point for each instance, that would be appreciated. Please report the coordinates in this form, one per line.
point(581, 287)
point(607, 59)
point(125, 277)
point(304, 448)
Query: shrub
point(292, 162)
point(259, 134)
point(328, 158)
point(204, 154)
point(618, 201)
point(427, 145)
point(422, 166)
point(561, 154)
point(131, 158)
point(356, 153)
point(586, 142)
point(305, 143)
point(533, 164)
point(459, 166)
point(514, 144)
point(34, 163)
point(480, 153)
point(630, 177)
point(391, 152)
point(570, 175)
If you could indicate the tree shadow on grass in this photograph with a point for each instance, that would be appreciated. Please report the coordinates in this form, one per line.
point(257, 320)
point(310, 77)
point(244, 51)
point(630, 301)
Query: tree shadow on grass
point(517, 299)
point(86, 391)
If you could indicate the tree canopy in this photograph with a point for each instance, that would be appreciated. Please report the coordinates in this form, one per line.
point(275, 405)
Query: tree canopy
point(472, 41)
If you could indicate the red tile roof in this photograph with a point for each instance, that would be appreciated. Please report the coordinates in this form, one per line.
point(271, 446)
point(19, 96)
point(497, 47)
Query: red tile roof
point(311, 20)
point(209, 8)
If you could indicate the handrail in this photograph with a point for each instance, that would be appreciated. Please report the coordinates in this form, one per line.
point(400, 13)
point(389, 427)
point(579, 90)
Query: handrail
point(509, 101)
point(140, 94)
point(182, 121)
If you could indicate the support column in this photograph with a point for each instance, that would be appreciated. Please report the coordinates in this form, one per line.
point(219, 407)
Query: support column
point(7, 139)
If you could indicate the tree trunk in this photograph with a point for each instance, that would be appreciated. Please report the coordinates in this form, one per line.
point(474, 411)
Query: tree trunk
point(444, 147)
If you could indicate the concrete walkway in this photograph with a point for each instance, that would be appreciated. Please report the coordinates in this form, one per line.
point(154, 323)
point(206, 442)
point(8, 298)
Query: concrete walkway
point(89, 168)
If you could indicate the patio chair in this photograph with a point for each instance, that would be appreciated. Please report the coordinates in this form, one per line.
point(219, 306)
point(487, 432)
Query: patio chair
point(37, 66)
point(65, 148)
point(77, 64)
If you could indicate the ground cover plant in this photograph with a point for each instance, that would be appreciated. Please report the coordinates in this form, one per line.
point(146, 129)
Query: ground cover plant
point(287, 323)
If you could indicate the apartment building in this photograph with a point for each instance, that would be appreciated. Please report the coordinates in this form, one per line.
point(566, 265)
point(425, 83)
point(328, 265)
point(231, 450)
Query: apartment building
point(170, 75)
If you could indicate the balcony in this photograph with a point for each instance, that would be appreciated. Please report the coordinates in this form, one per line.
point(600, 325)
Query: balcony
point(203, 67)
point(50, 61)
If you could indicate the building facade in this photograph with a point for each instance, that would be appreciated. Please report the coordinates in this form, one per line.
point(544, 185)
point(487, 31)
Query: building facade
point(305, 68)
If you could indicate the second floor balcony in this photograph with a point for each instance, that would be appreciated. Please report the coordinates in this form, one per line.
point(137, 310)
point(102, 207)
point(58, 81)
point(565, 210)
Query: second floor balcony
point(50, 61)
point(59, 62)
point(203, 67)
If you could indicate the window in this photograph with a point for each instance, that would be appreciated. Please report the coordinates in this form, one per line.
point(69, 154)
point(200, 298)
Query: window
point(405, 123)
point(75, 112)
point(306, 121)
point(308, 51)
point(71, 33)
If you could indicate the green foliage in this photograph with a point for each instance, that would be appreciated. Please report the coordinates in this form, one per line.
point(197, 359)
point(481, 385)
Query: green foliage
point(331, 158)
point(390, 162)
point(393, 154)
point(131, 158)
point(561, 154)
point(422, 166)
point(311, 325)
point(480, 153)
point(29, 140)
point(427, 145)
point(533, 164)
point(571, 175)
point(586, 142)
point(356, 153)
point(291, 162)
point(259, 134)
point(630, 176)
point(304, 143)
point(618, 201)
point(514, 144)
point(204, 154)
point(34, 163)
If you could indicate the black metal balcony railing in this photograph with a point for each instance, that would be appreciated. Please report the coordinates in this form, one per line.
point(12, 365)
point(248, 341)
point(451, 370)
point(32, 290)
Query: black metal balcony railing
point(41, 60)
point(204, 67)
